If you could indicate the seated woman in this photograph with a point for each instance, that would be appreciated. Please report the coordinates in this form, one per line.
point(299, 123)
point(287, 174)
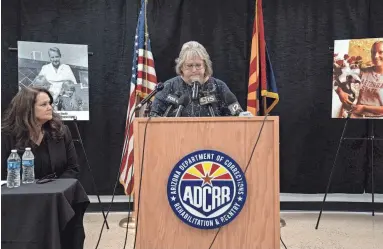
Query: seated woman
point(193, 66)
point(30, 121)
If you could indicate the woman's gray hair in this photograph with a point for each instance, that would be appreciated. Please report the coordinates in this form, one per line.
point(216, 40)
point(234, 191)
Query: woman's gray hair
point(190, 50)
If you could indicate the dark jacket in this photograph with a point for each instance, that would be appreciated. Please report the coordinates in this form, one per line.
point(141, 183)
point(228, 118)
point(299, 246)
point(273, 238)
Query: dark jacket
point(62, 154)
point(176, 86)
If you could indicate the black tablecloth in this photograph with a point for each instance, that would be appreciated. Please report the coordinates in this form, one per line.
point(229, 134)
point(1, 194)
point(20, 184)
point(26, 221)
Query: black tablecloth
point(43, 216)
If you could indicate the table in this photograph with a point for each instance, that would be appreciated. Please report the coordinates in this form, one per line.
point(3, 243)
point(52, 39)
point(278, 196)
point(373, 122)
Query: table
point(48, 215)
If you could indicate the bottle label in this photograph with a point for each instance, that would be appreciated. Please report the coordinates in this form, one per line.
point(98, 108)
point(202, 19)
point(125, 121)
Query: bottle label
point(28, 163)
point(13, 165)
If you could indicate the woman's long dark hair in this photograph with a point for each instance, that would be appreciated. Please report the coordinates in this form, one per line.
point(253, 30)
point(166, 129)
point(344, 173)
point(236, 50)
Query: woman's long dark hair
point(19, 119)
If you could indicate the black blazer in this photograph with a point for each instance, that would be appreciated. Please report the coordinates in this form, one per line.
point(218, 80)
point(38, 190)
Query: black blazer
point(62, 154)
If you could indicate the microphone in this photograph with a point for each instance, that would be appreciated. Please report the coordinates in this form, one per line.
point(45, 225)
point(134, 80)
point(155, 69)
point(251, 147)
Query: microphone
point(208, 100)
point(195, 90)
point(233, 105)
point(158, 88)
point(183, 101)
point(173, 102)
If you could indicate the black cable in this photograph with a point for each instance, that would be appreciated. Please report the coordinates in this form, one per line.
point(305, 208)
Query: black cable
point(244, 172)
point(255, 145)
point(140, 186)
point(127, 228)
point(114, 190)
point(283, 243)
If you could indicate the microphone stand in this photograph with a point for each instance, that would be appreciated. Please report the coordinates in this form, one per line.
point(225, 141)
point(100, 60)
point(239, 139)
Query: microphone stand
point(148, 107)
point(211, 110)
point(179, 111)
point(209, 106)
point(168, 110)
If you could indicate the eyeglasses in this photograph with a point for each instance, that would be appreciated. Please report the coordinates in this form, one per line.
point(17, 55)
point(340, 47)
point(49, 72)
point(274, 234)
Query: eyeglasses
point(190, 66)
point(47, 178)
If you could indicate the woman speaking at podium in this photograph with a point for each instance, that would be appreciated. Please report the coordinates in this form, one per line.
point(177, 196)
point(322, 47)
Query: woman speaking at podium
point(31, 122)
point(202, 95)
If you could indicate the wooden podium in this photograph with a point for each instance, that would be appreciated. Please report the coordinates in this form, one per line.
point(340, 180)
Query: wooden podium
point(170, 139)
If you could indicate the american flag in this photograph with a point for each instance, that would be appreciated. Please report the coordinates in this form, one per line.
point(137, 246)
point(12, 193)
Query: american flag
point(142, 83)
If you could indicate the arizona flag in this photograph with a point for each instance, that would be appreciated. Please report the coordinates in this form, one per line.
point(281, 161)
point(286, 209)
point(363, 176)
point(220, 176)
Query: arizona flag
point(143, 82)
point(261, 75)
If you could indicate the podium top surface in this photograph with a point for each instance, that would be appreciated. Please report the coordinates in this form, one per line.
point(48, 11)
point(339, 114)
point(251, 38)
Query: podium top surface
point(207, 119)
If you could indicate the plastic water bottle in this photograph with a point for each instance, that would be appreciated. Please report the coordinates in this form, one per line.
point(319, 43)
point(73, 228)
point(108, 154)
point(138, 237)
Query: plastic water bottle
point(13, 165)
point(28, 162)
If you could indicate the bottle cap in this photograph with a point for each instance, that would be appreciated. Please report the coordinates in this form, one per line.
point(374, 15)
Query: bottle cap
point(28, 148)
point(14, 151)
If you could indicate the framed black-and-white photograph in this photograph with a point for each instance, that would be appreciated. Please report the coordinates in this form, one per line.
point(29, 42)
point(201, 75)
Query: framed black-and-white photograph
point(60, 68)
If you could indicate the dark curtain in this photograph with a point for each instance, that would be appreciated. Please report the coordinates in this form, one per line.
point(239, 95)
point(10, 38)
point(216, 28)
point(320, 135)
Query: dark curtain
point(298, 33)
point(225, 32)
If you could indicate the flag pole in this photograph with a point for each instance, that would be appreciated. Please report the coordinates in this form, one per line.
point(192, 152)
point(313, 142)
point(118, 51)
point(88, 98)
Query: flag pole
point(130, 221)
point(145, 83)
point(264, 100)
point(146, 44)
